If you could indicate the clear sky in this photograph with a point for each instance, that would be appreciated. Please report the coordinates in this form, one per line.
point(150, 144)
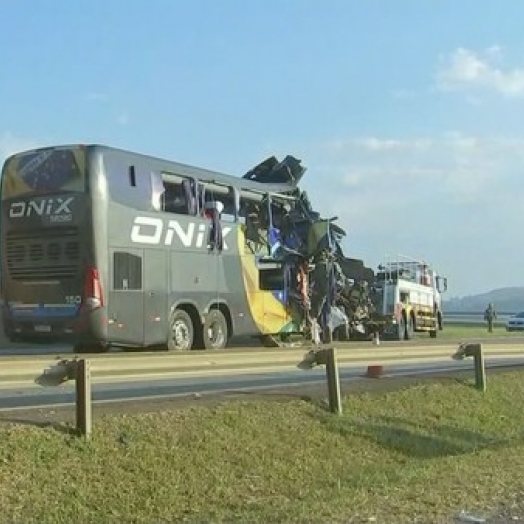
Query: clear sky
point(409, 115)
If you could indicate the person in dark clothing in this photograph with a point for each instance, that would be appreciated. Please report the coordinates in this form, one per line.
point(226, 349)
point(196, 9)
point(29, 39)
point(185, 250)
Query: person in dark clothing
point(213, 210)
point(490, 315)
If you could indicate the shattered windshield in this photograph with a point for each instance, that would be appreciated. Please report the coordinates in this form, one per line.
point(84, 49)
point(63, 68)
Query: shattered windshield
point(44, 171)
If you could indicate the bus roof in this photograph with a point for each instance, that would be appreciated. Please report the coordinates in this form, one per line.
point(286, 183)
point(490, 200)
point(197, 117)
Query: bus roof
point(178, 168)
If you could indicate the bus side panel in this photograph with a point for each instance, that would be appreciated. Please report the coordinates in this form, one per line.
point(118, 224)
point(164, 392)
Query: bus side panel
point(155, 295)
point(194, 275)
point(205, 278)
point(266, 309)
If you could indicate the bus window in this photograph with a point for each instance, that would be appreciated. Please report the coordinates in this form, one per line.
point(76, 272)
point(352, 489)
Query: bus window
point(215, 193)
point(132, 176)
point(179, 195)
point(45, 171)
point(127, 271)
point(157, 191)
point(174, 199)
point(255, 231)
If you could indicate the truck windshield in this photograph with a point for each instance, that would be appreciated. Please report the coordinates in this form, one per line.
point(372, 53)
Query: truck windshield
point(45, 171)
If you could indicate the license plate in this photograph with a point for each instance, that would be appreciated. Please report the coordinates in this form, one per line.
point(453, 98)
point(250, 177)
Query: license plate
point(43, 329)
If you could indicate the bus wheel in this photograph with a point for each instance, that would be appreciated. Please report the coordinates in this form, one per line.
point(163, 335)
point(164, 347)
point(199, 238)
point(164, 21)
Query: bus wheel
point(181, 332)
point(214, 330)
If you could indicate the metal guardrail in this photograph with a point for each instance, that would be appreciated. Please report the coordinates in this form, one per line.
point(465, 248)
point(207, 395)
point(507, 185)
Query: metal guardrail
point(111, 368)
point(79, 371)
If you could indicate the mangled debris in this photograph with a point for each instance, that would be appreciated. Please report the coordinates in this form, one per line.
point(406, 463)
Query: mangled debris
point(326, 292)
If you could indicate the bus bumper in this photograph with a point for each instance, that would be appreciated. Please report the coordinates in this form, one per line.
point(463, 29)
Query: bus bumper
point(87, 327)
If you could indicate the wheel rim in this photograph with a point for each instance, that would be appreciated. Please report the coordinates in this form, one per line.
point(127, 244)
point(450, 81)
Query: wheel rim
point(215, 334)
point(181, 335)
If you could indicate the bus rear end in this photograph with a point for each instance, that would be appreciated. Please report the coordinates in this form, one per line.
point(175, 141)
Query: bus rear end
point(48, 285)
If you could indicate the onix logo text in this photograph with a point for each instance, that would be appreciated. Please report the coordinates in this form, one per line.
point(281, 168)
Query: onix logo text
point(148, 230)
point(57, 209)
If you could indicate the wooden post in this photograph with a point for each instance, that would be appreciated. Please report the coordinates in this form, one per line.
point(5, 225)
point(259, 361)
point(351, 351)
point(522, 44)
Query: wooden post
point(83, 398)
point(333, 381)
point(480, 369)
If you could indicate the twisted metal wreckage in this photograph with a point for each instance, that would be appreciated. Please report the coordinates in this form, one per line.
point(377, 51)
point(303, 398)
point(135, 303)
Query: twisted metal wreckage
point(299, 257)
point(327, 294)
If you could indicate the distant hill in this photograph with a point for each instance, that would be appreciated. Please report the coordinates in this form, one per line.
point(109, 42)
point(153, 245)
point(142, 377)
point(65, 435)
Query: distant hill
point(505, 300)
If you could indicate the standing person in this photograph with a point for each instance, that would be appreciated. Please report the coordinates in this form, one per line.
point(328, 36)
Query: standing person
point(489, 316)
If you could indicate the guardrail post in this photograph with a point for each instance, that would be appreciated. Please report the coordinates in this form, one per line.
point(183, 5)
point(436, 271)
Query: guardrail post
point(480, 369)
point(80, 372)
point(475, 351)
point(83, 398)
point(328, 358)
point(333, 381)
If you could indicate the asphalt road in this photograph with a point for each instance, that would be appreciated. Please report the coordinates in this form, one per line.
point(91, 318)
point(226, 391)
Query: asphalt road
point(8, 349)
point(24, 398)
point(187, 387)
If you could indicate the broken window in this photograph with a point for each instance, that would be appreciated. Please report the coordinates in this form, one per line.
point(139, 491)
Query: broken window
point(157, 191)
point(255, 230)
point(224, 195)
point(220, 203)
point(179, 195)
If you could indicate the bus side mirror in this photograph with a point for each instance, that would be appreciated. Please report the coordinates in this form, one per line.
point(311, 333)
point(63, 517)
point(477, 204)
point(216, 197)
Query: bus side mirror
point(442, 284)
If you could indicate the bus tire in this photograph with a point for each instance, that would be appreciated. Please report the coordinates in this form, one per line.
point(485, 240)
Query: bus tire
point(181, 331)
point(214, 330)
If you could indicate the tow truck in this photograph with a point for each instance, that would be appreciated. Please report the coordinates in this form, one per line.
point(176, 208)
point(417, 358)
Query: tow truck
point(409, 295)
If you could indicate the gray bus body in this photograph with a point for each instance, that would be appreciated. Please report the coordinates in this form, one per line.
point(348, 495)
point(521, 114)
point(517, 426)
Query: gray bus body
point(101, 247)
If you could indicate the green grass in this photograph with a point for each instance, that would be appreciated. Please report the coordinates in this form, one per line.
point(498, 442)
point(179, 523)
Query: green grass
point(425, 452)
point(466, 330)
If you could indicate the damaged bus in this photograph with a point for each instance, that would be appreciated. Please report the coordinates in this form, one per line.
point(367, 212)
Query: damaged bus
point(108, 247)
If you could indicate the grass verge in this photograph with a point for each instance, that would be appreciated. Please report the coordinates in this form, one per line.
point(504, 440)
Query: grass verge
point(418, 454)
point(467, 330)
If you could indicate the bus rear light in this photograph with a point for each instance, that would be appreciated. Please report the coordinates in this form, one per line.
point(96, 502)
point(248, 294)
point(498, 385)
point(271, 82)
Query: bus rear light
point(93, 297)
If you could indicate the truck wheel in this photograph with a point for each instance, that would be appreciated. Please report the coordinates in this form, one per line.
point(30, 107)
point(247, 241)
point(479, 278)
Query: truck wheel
point(181, 331)
point(410, 330)
point(401, 328)
point(214, 330)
